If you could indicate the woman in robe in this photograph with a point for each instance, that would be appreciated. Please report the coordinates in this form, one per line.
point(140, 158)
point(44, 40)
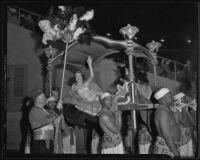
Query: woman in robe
point(86, 93)
point(85, 97)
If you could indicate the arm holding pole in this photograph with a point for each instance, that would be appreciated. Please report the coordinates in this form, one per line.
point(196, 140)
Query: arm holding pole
point(89, 61)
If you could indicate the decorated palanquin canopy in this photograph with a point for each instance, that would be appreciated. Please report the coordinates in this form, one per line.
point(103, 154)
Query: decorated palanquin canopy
point(70, 26)
point(99, 48)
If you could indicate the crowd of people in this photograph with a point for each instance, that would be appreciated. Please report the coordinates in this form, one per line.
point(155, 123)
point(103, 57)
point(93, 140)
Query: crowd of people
point(168, 128)
point(23, 18)
point(167, 68)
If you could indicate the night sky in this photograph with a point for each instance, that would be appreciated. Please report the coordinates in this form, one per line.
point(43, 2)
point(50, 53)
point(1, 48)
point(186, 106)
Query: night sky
point(176, 23)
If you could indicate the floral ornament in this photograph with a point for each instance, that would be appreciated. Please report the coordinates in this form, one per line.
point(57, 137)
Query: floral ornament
point(62, 8)
point(64, 28)
point(78, 32)
point(73, 22)
point(88, 16)
point(153, 46)
point(122, 90)
point(193, 105)
point(178, 106)
point(49, 32)
point(47, 36)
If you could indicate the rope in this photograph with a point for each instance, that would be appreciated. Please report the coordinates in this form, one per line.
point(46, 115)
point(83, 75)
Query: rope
point(61, 94)
point(63, 76)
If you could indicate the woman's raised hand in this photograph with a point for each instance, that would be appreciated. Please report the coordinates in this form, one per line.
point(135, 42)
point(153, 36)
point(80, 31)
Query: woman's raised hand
point(89, 60)
point(60, 105)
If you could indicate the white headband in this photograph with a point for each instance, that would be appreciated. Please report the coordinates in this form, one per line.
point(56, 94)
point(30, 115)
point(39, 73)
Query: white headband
point(179, 96)
point(51, 99)
point(106, 94)
point(159, 94)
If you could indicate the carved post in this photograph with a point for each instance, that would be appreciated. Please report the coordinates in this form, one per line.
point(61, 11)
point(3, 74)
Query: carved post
point(50, 53)
point(128, 33)
point(129, 52)
point(50, 69)
point(153, 47)
point(154, 62)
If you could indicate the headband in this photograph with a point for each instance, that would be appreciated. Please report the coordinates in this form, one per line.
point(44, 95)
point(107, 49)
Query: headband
point(179, 96)
point(106, 94)
point(51, 99)
point(159, 94)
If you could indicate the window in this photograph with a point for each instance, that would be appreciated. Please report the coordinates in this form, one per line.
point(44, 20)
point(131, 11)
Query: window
point(17, 86)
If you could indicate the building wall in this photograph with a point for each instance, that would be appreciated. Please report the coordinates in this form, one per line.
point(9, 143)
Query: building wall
point(21, 51)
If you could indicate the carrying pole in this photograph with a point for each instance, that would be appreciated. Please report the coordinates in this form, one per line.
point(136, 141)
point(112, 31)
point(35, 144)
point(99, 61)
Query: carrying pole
point(61, 94)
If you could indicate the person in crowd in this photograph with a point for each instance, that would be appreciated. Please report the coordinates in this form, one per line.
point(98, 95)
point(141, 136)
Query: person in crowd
point(110, 122)
point(94, 136)
point(42, 125)
point(86, 93)
point(51, 108)
point(144, 139)
point(192, 109)
point(187, 67)
point(67, 136)
point(66, 139)
point(169, 133)
point(129, 135)
point(95, 142)
point(165, 68)
point(162, 64)
point(56, 94)
point(188, 73)
point(28, 22)
point(51, 104)
point(51, 10)
point(186, 122)
point(27, 128)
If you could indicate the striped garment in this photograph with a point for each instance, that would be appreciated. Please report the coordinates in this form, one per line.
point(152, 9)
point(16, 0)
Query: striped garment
point(144, 141)
point(160, 147)
point(119, 149)
point(68, 146)
point(186, 148)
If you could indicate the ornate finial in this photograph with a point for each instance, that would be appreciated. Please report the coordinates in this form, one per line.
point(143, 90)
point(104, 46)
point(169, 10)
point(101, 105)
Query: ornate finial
point(129, 31)
point(153, 46)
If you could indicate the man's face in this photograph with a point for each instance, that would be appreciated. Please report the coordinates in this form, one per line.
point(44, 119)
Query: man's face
point(42, 99)
point(52, 104)
point(108, 102)
point(168, 98)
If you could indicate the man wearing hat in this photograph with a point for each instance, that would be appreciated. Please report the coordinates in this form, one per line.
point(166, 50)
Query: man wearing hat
point(110, 122)
point(51, 105)
point(42, 125)
point(186, 123)
point(168, 130)
point(51, 102)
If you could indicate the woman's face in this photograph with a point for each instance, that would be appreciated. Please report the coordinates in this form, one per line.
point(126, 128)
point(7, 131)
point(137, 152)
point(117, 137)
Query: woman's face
point(79, 77)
